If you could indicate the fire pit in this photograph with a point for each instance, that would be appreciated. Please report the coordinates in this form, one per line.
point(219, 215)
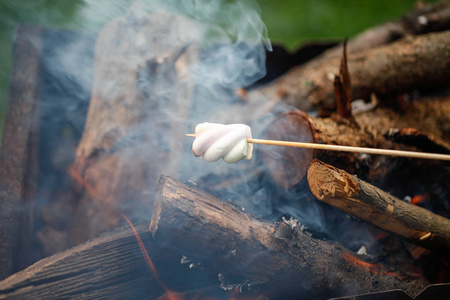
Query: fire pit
point(102, 196)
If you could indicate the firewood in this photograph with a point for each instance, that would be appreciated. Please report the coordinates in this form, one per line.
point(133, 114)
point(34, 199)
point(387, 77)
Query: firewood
point(411, 63)
point(288, 165)
point(377, 128)
point(276, 259)
point(369, 203)
point(110, 266)
point(18, 156)
point(123, 148)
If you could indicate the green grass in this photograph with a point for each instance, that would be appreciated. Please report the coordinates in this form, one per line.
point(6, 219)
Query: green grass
point(289, 22)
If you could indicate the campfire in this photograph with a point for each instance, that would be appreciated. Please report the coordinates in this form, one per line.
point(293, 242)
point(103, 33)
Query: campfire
point(334, 182)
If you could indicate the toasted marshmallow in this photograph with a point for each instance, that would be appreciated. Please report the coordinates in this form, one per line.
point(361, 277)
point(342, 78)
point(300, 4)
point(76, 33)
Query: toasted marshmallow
point(229, 142)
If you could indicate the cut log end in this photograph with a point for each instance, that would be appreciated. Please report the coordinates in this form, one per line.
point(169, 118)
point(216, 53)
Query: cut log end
point(329, 181)
point(288, 165)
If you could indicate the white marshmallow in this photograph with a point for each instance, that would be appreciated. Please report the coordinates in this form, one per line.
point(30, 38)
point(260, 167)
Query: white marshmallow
point(214, 141)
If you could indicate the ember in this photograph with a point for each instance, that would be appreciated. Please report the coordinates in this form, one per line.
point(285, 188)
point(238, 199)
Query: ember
point(418, 199)
point(373, 268)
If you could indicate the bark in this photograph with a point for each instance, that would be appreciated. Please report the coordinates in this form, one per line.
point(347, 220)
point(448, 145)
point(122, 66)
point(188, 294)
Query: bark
point(425, 121)
point(413, 137)
point(369, 203)
point(288, 165)
point(138, 108)
point(419, 62)
point(431, 116)
point(18, 156)
point(276, 259)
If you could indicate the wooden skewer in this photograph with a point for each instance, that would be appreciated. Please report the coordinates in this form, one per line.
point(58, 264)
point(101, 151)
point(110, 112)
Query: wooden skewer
point(401, 153)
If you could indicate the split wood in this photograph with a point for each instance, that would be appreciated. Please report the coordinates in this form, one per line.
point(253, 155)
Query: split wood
point(390, 152)
point(367, 202)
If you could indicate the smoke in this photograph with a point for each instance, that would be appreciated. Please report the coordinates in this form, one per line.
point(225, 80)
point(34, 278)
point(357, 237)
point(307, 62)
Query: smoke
point(234, 39)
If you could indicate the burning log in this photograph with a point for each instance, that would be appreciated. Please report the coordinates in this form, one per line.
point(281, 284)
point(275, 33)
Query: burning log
point(408, 64)
point(369, 203)
point(276, 259)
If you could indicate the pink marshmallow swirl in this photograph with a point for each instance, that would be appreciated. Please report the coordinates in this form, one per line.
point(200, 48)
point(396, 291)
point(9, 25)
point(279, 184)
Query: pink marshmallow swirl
point(229, 142)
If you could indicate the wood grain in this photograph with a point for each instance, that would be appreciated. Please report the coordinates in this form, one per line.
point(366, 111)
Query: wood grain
point(369, 203)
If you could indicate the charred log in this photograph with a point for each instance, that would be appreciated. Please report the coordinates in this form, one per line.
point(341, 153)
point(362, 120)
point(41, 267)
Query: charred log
point(276, 259)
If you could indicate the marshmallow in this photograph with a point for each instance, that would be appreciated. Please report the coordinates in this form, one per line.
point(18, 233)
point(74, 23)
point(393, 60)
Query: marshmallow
point(229, 142)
